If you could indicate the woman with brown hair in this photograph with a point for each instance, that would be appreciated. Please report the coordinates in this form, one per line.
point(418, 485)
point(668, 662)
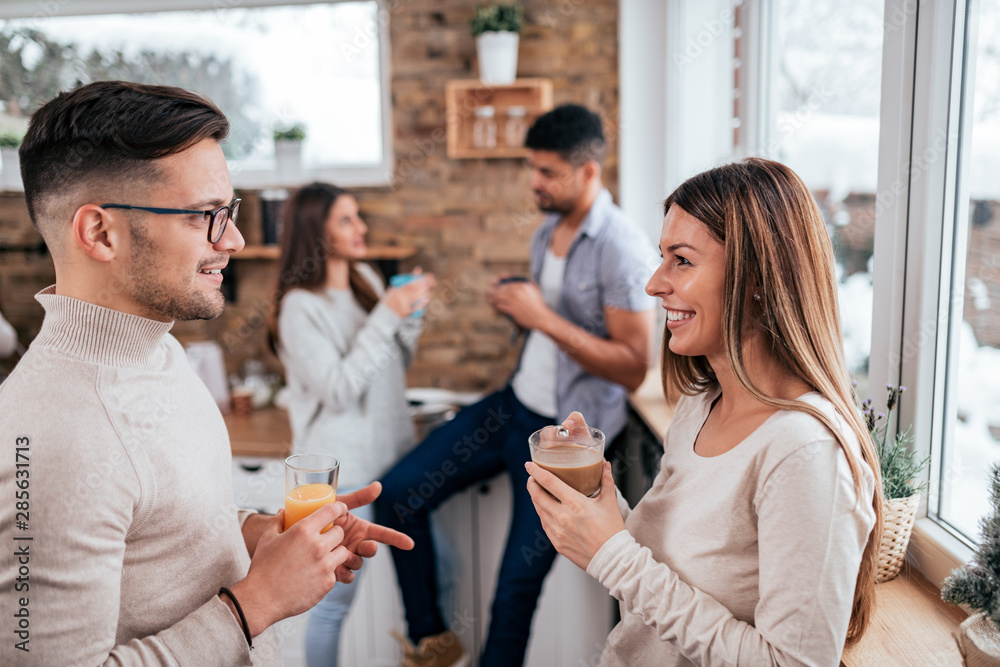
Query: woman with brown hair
point(345, 343)
point(757, 542)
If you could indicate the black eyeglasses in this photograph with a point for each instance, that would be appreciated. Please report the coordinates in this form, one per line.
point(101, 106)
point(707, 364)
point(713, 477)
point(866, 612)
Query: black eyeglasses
point(217, 218)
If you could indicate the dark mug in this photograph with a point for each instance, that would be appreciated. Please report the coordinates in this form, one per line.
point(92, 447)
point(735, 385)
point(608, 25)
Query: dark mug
point(514, 279)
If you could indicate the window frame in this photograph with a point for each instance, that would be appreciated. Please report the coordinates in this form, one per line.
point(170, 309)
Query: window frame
point(378, 175)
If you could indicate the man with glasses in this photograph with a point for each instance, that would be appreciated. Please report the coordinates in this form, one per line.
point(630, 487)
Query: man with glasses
point(128, 548)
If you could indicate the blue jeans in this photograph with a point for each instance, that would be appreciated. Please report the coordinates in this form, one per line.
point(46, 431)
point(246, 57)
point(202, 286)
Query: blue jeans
point(326, 618)
point(482, 440)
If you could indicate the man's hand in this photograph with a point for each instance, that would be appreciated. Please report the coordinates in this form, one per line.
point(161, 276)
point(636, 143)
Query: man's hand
point(521, 302)
point(292, 570)
point(361, 537)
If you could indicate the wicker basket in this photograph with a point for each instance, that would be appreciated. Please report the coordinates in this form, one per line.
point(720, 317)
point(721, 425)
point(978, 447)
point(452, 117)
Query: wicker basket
point(979, 641)
point(896, 528)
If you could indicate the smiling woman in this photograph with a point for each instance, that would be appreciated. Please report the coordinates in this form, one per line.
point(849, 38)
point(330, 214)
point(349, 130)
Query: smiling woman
point(249, 58)
point(756, 538)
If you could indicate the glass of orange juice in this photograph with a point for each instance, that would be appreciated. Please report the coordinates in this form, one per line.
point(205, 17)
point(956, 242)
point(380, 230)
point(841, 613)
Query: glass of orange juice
point(310, 483)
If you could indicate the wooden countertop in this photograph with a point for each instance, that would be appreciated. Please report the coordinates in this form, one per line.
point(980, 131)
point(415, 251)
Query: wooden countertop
point(651, 406)
point(264, 432)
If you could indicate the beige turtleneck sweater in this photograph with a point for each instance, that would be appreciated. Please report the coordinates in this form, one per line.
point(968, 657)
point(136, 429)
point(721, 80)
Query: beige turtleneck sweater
point(131, 517)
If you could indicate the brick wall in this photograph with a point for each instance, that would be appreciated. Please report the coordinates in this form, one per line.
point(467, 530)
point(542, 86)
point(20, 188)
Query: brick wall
point(469, 218)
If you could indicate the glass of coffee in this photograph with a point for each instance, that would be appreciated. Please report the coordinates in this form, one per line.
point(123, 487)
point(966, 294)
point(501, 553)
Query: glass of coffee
point(576, 455)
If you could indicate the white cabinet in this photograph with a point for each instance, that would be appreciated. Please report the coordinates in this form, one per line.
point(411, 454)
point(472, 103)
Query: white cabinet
point(574, 617)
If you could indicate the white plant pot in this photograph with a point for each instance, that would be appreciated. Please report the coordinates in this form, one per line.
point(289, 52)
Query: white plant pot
point(288, 158)
point(497, 52)
point(10, 177)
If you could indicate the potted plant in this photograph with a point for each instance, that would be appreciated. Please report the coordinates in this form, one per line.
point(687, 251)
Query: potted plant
point(9, 142)
point(497, 28)
point(901, 495)
point(978, 585)
point(288, 140)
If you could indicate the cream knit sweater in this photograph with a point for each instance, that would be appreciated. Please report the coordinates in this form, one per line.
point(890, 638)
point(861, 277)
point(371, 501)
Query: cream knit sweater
point(131, 518)
point(746, 558)
point(346, 373)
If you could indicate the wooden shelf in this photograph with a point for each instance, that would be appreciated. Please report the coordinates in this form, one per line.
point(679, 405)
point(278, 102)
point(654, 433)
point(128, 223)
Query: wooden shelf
point(462, 98)
point(259, 252)
point(375, 252)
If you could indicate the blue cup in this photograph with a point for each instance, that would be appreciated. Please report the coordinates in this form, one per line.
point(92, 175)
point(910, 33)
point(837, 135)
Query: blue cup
point(401, 279)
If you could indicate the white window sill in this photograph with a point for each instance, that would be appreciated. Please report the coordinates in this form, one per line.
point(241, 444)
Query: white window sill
point(935, 552)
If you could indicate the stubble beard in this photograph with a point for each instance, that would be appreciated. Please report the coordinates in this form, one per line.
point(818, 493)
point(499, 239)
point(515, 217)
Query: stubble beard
point(550, 205)
point(147, 287)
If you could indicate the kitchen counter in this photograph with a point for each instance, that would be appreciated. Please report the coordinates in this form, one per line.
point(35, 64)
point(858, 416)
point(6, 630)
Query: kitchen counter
point(649, 403)
point(262, 433)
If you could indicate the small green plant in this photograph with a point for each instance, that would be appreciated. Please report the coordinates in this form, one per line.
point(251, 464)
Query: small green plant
point(497, 17)
point(978, 584)
point(294, 132)
point(10, 139)
point(899, 463)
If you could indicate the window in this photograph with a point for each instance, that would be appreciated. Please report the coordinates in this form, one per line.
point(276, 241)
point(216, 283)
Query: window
point(266, 64)
point(820, 79)
point(890, 111)
point(971, 410)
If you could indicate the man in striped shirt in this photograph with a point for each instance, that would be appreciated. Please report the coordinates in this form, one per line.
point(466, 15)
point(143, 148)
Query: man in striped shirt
point(588, 324)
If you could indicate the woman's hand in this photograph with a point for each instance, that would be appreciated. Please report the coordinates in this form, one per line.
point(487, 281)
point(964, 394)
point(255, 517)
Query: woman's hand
point(578, 526)
point(413, 296)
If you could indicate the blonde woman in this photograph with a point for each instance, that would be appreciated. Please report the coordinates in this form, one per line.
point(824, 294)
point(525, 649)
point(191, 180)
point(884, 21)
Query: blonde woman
point(756, 543)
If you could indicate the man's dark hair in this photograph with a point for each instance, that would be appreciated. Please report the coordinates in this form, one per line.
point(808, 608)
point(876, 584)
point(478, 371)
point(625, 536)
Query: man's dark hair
point(573, 131)
point(110, 131)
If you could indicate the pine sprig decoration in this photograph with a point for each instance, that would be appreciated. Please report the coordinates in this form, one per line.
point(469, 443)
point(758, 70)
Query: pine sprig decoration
point(978, 584)
point(900, 465)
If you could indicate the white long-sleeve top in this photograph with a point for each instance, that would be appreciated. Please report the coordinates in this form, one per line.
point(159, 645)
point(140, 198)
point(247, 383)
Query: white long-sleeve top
point(346, 374)
point(746, 558)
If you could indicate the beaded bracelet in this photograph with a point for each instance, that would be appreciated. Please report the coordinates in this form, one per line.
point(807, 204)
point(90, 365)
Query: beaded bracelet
point(239, 610)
